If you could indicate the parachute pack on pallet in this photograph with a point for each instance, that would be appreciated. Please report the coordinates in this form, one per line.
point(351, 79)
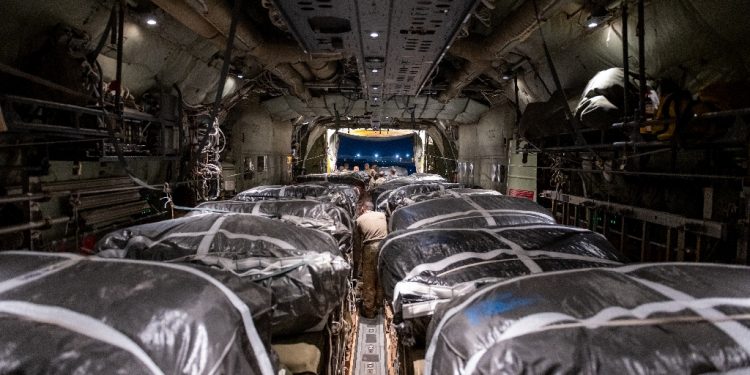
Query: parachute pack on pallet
point(360, 179)
point(302, 267)
point(344, 196)
point(421, 269)
point(323, 216)
point(469, 208)
point(404, 195)
point(640, 319)
point(67, 314)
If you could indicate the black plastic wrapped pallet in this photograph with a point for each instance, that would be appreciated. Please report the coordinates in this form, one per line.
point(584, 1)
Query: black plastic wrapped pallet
point(666, 318)
point(341, 195)
point(404, 195)
point(67, 314)
point(390, 184)
point(464, 209)
point(393, 182)
point(302, 267)
point(266, 192)
point(344, 196)
point(453, 192)
point(422, 268)
point(360, 179)
point(323, 216)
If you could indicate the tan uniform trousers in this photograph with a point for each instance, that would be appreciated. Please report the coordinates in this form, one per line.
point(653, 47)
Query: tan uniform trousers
point(372, 293)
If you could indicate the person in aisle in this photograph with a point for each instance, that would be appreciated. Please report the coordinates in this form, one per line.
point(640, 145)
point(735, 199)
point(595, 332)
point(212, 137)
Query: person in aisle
point(379, 178)
point(356, 168)
point(374, 171)
point(371, 229)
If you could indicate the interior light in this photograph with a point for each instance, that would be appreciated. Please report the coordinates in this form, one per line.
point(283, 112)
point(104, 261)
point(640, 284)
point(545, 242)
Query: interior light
point(376, 155)
point(240, 76)
point(375, 99)
point(375, 87)
point(599, 15)
point(508, 75)
point(358, 155)
point(407, 155)
point(151, 21)
point(387, 117)
point(374, 70)
point(348, 118)
point(397, 156)
point(374, 35)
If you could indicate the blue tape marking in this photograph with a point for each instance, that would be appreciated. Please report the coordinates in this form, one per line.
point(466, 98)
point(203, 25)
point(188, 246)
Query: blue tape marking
point(498, 305)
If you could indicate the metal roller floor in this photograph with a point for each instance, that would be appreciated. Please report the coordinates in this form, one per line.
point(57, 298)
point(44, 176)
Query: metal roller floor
point(370, 352)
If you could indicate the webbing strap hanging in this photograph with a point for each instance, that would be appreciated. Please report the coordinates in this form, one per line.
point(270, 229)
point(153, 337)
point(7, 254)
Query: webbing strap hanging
point(209, 166)
point(571, 120)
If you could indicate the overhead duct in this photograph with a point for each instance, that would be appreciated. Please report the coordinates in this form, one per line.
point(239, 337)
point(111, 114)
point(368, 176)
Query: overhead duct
point(212, 22)
point(304, 71)
point(291, 77)
point(460, 110)
point(323, 70)
point(519, 26)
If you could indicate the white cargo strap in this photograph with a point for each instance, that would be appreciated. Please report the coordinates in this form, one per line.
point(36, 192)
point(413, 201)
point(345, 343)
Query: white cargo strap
point(224, 352)
point(79, 323)
point(259, 350)
point(486, 214)
point(519, 252)
point(420, 309)
point(256, 208)
point(611, 316)
point(205, 243)
point(37, 274)
point(541, 226)
point(738, 332)
point(490, 220)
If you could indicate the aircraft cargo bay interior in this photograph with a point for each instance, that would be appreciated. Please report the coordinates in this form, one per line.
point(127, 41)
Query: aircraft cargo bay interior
point(343, 187)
